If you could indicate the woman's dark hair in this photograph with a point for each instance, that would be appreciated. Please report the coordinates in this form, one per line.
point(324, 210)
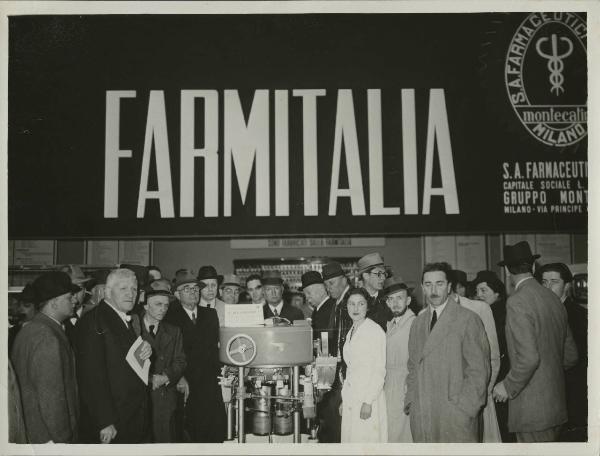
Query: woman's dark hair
point(494, 283)
point(359, 291)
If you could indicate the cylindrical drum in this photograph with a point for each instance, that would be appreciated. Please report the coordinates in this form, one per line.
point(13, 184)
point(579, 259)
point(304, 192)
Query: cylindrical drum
point(261, 417)
point(283, 422)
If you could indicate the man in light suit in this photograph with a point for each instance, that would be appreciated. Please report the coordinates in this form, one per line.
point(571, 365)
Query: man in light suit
point(540, 346)
point(45, 365)
point(448, 365)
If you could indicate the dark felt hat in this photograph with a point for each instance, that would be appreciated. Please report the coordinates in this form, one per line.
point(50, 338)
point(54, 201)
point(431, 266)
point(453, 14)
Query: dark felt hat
point(52, 284)
point(158, 291)
point(392, 285)
point(331, 270)
point(272, 278)
point(458, 276)
point(310, 278)
point(186, 276)
point(208, 272)
point(517, 254)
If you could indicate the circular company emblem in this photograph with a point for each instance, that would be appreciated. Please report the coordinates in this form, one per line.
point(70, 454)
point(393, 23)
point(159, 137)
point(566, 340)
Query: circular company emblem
point(546, 77)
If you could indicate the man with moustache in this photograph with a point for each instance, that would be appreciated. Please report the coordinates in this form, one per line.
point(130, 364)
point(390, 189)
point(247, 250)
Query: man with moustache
point(337, 286)
point(115, 405)
point(208, 293)
point(168, 361)
point(204, 411)
point(398, 329)
point(45, 365)
point(448, 365)
point(372, 273)
point(230, 289)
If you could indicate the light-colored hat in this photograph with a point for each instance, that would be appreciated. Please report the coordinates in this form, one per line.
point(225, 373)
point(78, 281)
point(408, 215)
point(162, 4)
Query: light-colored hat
point(369, 261)
point(231, 279)
point(76, 274)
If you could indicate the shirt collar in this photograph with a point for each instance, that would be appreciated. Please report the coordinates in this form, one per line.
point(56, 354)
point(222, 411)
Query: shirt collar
point(189, 312)
point(56, 321)
point(322, 302)
point(122, 315)
point(204, 303)
point(147, 325)
point(278, 307)
point(439, 309)
point(522, 280)
point(342, 295)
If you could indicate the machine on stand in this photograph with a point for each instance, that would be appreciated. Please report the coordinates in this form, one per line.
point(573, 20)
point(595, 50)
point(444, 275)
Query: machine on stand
point(265, 392)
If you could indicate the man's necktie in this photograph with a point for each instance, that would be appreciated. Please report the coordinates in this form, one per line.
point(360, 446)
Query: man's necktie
point(194, 317)
point(208, 305)
point(275, 312)
point(433, 321)
point(151, 331)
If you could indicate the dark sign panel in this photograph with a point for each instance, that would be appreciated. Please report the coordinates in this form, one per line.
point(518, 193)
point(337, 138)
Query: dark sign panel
point(151, 126)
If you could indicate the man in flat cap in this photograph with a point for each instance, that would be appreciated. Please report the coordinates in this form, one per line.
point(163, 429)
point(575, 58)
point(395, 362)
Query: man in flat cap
point(167, 361)
point(115, 403)
point(540, 346)
point(208, 293)
point(372, 273)
point(45, 364)
point(204, 411)
point(397, 297)
point(275, 305)
point(230, 289)
point(337, 286)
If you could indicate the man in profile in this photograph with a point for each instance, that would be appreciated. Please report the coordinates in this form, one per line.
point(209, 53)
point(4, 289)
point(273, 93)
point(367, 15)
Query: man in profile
point(45, 365)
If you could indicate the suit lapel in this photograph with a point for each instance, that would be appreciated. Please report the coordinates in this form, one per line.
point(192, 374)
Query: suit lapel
point(442, 327)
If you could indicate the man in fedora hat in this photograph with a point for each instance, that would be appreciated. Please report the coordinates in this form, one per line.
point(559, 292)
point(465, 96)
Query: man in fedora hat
point(275, 305)
point(205, 420)
point(459, 282)
point(337, 286)
point(167, 361)
point(397, 297)
point(45, 364)
point(540, 346)
point(208, 294)
point(78, 278)
point(313, 288)
point(230, 289)
point(371, 270)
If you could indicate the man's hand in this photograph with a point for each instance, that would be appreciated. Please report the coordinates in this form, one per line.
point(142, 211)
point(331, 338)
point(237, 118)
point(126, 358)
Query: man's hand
point(341, 409)
point(365, 411)
point(108, 434)
point(499, 393)
point(159, 380)
point(407, 409)
point(145, 351)
point(183, 387)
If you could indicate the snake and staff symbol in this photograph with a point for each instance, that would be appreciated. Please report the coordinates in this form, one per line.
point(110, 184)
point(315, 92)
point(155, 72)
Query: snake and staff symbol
point(555, 60)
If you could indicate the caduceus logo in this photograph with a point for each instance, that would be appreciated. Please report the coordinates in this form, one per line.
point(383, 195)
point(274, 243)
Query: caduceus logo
point(549, 47)
point(555, 60)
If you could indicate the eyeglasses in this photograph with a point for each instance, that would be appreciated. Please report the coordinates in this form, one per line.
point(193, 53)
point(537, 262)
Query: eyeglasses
point(380, 274)
point(190, 289)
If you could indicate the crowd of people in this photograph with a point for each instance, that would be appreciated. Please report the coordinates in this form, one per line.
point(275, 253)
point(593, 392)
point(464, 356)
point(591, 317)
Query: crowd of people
point(469, 365)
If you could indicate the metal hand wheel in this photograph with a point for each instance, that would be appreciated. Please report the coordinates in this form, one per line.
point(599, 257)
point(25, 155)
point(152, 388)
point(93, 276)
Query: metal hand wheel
point(241, 349)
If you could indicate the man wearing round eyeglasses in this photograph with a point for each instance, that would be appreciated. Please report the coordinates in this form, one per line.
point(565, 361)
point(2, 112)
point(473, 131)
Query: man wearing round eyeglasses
point(204, 410)
point(371, 270)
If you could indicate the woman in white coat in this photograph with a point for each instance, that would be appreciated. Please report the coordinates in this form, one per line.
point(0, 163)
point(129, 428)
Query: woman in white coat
point(363, 409)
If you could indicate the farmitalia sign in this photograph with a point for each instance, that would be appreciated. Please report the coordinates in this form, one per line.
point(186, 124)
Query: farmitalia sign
point(151, 126)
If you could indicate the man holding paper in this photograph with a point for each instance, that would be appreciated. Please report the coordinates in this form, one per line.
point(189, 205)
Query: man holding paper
point(114, 397)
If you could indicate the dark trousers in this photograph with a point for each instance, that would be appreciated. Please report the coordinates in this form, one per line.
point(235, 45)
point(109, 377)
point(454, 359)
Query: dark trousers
point(547, 435)
point(502, 417)
point(328, 412)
